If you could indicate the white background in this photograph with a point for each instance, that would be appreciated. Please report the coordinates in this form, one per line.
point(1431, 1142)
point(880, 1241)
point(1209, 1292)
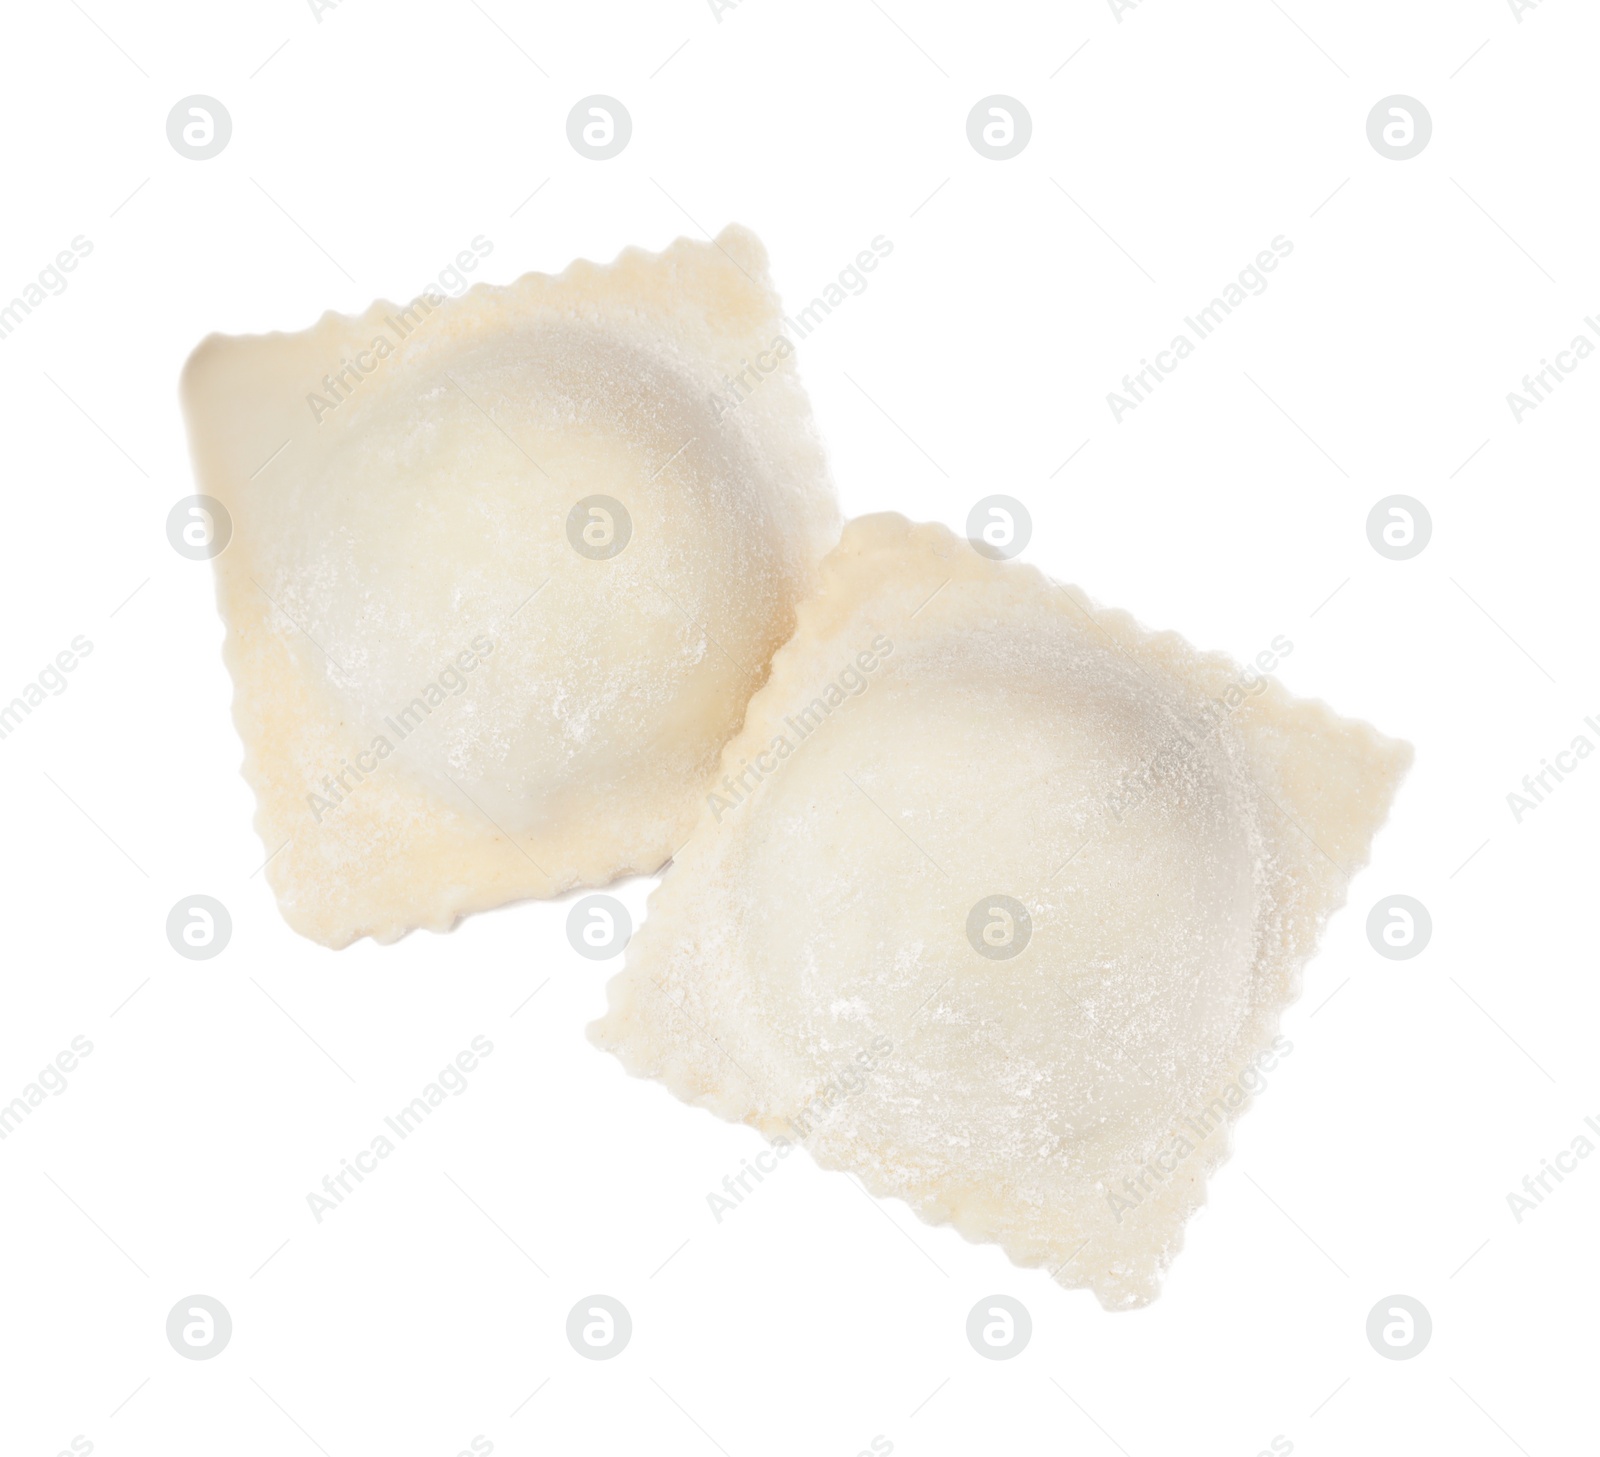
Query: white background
point(1170, 148)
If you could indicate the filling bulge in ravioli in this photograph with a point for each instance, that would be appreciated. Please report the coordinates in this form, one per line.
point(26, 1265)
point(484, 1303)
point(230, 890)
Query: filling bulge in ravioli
point(428, 527)
point(1139, 935)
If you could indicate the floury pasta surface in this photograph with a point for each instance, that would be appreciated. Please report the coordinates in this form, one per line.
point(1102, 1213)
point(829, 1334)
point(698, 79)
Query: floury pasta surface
point(504, 571)
point(1054, 875)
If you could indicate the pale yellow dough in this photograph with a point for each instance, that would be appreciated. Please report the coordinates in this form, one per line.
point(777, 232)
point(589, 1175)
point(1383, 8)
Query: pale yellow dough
point(942, 731)
point(387, 528)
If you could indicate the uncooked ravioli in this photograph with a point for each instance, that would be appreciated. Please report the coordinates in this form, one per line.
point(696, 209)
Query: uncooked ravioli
point(505, 570)
point(997, 903)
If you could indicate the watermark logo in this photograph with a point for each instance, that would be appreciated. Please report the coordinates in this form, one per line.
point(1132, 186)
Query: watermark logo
point(450, 1081)
point(599, 127)
point(199, 927)
point(737, 1184)
point(1399, 1327)
point(599, 527)
point(1536, 1186)
point(848, 282)
point(1399, 127)
point(999, 1327)
point(199, 1327)
point(999, 527)
point(199, 127)
point(599, 1327)
point(735, 788)
point(51, 1080)
point(598, 927)
point(1539, 384)
point(1399, 927)
point(353, 772)
point(51, 679)
point(999, 127)
point(999, 927)
point(1137, 784)
point(1166, 1162)
point(1538, 785)
point(820, 1104)
point(1138, 385)
point(199, 527)
point(753, 372)
point(50, 281)
point(846, 1080)
point(1399, 527)
point(450, 282)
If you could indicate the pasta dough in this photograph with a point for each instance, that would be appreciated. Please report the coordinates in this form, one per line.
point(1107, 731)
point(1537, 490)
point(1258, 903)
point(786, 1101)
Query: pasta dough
point(997, 904)
point(505, 570)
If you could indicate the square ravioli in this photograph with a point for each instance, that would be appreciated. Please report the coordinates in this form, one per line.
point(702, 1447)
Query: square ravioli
point(504, 570)
point(997, 903)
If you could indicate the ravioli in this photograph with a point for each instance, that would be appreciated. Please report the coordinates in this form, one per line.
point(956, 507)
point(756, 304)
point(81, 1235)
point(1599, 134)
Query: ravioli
point(505, 569)
point(997, 903)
